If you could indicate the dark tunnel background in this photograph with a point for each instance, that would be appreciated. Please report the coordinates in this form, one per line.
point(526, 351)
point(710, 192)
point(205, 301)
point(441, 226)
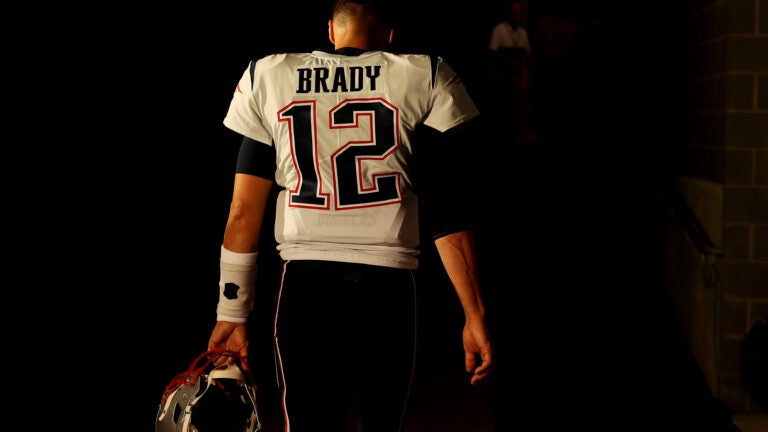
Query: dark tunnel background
point(117, 276)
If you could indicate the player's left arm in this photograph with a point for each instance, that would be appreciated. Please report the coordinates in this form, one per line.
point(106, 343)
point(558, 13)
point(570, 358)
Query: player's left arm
point(447, 188)
point(457, 253)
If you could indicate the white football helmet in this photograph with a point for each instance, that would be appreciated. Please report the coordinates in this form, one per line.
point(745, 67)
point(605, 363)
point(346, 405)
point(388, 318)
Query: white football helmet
point(212, 398)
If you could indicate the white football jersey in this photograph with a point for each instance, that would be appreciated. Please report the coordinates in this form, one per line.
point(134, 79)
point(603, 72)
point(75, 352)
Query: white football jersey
point(341, 126)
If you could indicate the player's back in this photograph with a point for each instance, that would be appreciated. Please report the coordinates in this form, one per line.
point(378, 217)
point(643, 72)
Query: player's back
point(341, 125)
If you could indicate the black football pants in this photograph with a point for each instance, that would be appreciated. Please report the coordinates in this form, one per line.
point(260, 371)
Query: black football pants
point(345, 336)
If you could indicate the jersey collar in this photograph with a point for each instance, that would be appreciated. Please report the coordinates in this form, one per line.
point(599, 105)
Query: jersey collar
point(347, 51)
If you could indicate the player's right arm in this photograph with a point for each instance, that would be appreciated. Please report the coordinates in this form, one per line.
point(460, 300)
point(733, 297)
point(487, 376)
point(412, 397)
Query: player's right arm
point(246, 213)
point(241, 238)
point(254, 178)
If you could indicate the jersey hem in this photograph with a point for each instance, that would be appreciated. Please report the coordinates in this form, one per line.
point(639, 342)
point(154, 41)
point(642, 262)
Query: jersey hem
point(406, 263)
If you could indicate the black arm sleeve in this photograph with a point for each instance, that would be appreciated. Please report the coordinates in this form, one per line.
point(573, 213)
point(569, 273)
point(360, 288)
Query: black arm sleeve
point(256, 158)
point(446, 179)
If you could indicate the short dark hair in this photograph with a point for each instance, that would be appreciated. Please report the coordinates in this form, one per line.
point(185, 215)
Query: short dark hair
point(381, 10)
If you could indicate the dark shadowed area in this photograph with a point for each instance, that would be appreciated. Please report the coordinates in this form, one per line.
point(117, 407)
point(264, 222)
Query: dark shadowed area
point(121, 288)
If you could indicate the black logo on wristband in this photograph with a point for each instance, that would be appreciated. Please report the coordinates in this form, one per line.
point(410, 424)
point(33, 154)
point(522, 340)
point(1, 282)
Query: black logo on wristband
point(230, 290)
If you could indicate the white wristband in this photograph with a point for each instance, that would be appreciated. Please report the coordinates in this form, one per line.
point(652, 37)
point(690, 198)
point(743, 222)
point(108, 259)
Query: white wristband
point(237, 282)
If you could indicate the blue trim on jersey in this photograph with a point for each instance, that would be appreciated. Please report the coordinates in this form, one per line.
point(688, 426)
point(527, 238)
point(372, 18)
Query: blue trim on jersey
point(251, 69)
point(433, 63)
point(346, 51)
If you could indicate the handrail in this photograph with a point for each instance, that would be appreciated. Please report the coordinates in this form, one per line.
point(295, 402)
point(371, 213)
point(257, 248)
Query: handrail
point(691, 224)
point(701, 241)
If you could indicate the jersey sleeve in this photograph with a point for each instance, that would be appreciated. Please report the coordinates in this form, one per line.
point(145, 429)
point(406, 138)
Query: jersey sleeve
point(256, 158)
point(444, 174)
point(451, 103)
point(494, 41)
point(244, 115)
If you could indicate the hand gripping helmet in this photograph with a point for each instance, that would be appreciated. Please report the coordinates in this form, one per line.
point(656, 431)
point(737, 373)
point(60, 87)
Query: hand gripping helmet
point(211, 398)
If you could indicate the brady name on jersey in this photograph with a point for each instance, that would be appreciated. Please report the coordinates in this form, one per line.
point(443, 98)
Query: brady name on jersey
point(338, 79)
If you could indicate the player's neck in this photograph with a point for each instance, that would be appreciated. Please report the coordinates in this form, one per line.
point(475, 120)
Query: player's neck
point(353, 35)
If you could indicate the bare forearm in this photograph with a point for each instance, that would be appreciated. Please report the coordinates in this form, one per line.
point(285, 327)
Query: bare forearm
point(246, 213)
point(242, 233)
point(457, 252)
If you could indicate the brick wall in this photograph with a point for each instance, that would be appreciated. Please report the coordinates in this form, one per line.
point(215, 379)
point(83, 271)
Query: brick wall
point(727, 60)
